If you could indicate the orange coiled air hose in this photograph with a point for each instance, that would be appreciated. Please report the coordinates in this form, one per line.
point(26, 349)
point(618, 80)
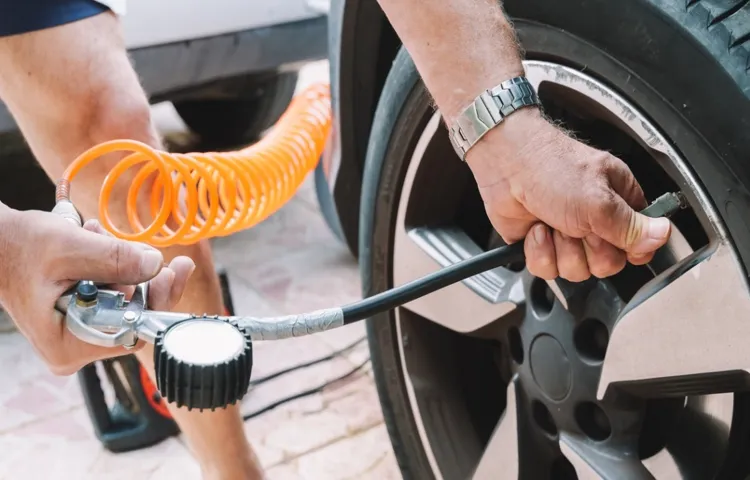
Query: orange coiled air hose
point(202, 195)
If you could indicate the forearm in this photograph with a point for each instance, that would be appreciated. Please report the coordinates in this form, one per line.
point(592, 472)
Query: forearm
point(460, 47)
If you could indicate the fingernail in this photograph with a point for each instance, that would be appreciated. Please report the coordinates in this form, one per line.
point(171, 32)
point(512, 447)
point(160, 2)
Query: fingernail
point(655, 235)
point(540, 234)
point(151, 263)
point(658, 228)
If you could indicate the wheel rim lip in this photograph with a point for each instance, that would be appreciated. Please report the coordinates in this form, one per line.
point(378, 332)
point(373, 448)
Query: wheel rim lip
point(539, 72)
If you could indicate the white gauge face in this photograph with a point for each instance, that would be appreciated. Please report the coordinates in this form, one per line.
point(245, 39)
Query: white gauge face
point(204, 342)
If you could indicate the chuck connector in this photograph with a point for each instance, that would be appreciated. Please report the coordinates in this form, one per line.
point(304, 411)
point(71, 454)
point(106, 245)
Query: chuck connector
point(203, 363)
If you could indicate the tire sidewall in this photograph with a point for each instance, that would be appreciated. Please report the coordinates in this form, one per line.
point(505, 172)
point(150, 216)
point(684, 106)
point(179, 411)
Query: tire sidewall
point(384, 175)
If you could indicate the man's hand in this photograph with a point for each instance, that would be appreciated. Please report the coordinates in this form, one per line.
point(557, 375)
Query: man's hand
point(532, 175)
point(42, 255)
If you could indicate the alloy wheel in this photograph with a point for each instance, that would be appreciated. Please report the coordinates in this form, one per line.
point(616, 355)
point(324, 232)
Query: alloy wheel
point(620, 378)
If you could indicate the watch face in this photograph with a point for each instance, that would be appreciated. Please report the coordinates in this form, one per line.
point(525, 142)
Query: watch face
point(204, 342)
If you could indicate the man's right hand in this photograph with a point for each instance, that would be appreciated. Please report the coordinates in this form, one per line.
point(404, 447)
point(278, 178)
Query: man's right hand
point(575, 207)
point(42, 255)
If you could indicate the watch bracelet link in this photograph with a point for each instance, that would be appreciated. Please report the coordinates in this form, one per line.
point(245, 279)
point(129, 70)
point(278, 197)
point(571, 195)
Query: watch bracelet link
point(489, 110)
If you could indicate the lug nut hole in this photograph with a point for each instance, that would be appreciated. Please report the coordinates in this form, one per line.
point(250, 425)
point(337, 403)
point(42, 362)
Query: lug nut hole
point(593, 421)
point(542, 297)
point(515, 345)
point(591, 338)
point(543, 418)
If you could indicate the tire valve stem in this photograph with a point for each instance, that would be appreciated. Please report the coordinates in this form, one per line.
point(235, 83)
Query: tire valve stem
point(666, 205)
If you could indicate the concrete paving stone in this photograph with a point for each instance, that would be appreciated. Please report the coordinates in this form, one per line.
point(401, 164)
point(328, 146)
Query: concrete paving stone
point(309, 423)
point(274, 355)
point(358, 403)
point(247, 301)
point(295, 226)
point(287, 471)
point(309, 279)
point(288, 385)
point(349, 459)
point(307, 432)
point(385, 469)
point(340, 338)
point(30, 391)
point(181, 467)
point(71, 451)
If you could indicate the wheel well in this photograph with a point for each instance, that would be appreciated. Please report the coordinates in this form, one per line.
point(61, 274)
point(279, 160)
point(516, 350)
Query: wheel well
point(363, 34)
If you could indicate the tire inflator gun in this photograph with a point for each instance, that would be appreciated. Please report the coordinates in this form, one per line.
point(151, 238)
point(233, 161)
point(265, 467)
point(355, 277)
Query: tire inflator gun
point(205, 361)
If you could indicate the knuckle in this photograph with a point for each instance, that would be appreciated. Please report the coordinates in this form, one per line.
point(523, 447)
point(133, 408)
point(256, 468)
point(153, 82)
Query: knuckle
point(603, 164)
point(543, 273)
point(602, 206)
point(573, 269)
point(576, 276)
point(62, 370)
point(606, 267)
point(125, 261)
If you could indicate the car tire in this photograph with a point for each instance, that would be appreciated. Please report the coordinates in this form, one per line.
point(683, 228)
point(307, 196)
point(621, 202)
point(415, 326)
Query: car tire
point(662, 56)
point(226, 123)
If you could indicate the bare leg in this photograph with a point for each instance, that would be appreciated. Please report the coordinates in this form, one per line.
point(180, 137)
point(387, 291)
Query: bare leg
point(69, 88)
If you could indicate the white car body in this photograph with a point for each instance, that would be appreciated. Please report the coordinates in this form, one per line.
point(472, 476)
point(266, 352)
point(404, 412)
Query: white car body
point(147, 23)
point(177, 45)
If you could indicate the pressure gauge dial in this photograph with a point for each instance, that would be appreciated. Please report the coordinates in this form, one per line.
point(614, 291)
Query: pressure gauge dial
point(203, 363)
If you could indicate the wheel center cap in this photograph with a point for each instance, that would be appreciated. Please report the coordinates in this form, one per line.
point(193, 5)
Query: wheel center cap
point(550, 367)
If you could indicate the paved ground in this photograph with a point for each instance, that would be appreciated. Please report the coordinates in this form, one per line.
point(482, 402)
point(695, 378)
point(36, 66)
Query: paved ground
point(290, 263)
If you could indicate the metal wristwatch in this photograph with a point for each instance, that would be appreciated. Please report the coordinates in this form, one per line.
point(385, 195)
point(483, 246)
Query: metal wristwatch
point(489, 110)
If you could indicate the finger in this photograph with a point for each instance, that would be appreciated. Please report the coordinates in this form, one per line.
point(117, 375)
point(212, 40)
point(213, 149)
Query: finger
point(637, 259)
point(571, 258)
point(128, 290)
point(511, 230)
point(93, 225)
point(159, 288)
point(166, 289)
point(540, 252)
point(65, 353)
point(603, 259)
point(101, 258)
point(183, 268)
point(614, 221)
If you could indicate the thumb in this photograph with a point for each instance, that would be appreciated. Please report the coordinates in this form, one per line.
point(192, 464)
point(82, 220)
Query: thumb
point(629, 230)
point(105, 259)
point(646, 234)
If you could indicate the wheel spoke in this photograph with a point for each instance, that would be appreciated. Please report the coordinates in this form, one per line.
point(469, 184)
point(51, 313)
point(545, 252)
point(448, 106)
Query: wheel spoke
point(685, 332)
point(500, 459)
point(697, 438)
point(465, 306)
point(595, 463)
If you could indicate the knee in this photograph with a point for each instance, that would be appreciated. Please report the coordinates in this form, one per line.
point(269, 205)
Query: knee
point(109, 110)
point(112, 115)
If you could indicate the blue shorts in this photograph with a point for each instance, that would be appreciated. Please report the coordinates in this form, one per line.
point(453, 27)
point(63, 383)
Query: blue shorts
point(22, 16)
